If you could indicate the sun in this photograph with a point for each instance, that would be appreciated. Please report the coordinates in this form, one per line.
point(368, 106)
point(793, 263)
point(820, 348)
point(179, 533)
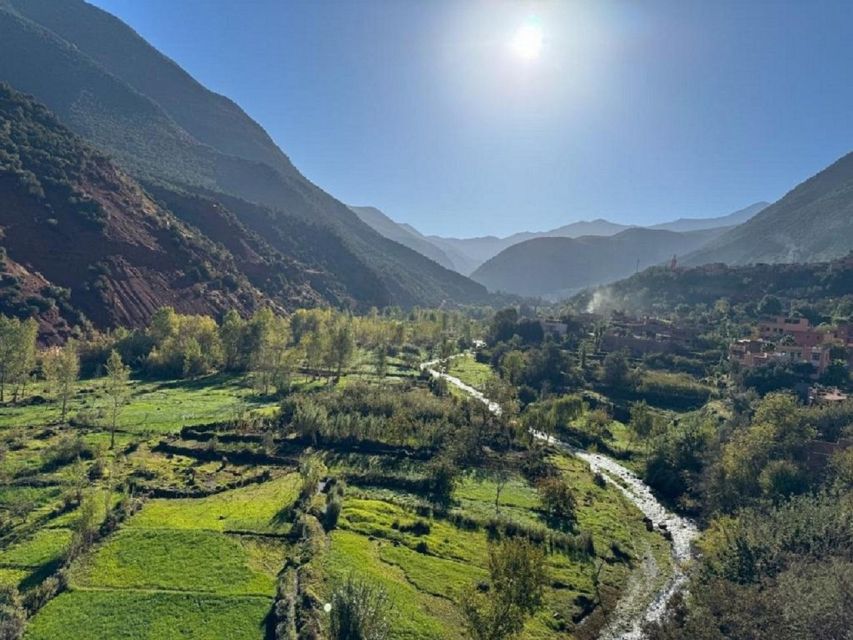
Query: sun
point(527, 41)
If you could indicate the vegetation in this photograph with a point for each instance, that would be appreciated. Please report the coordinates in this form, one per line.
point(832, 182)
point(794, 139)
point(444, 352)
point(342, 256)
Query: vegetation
point(291, 454)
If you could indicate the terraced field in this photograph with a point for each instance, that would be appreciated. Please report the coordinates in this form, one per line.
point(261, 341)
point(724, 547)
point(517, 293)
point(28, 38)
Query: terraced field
point(175, 556)
point(214, 525)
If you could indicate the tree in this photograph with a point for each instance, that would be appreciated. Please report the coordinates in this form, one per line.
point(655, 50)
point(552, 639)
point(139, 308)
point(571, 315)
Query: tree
point(341, 347)
point(442, 475)
point(770, 306)
point(512, 366)
point(518, 576)
point(565, 410)
point(381, 360)
point(359, 612)
point(13, 618)
point(558, 501)
point(503, 325)
point(502, 476)
point(615, 369)
point(272, 361)
point(17, 353)
point(232, 335)
point(642, 419)
point(116, 390)
point(61, 368)
point(315, 347)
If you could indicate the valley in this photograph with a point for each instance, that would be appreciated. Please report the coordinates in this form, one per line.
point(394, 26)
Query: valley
point(282, 358)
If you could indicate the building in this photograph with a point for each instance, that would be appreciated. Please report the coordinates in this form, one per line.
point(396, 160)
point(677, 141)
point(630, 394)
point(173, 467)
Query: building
point(647, 335)
point(791, 340)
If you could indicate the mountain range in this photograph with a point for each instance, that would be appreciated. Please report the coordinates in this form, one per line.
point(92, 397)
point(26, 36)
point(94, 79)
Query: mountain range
point(557, 267)
point(465, 255)
point(126, 185)
point(811, 223)
point(207, 162)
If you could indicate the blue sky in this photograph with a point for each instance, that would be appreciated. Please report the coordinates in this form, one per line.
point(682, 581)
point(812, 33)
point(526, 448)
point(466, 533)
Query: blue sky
point(634, 111)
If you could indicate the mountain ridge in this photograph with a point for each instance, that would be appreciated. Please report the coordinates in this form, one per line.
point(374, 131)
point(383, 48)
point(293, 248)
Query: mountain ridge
point(813, 222)
point(98, 76)
point(557, 266)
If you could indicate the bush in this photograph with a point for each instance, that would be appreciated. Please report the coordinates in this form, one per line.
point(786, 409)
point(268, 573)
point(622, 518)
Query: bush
point(359, 612)
point(332, 513)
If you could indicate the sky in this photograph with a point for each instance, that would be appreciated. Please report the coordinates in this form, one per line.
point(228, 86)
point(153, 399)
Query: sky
point(476, 117)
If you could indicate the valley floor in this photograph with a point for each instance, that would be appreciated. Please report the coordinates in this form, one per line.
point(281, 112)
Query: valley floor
point(209, 535)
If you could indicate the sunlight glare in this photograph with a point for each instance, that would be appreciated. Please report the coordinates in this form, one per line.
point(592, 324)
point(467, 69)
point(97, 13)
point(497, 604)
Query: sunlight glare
point(527, 42)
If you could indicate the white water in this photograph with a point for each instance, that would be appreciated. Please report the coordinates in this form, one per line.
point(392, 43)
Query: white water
point(625, 623)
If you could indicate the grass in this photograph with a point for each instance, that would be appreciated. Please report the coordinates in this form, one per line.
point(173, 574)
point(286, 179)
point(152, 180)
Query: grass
point(255, 508)
point(203, 568)
point(172, 560)
point(82, 615)
point(154, 407)
point(44, 547)
point(373, 542)
point(471, 372)
point(415, 615)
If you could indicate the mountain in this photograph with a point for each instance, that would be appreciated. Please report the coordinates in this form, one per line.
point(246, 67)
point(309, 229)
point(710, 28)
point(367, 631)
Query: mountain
point(110, 86)
point(81, 240)
point(405, 234)
point(812, 223)
point(559, 266)
point(698, 224)
point(661, 290)
point(469, 253)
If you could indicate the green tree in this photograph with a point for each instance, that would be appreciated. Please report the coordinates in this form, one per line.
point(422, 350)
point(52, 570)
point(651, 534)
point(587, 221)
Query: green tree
point(566, 410)
point(770, 306)
point(17, 353)
point(442, 476)
point(272, 361)
point(381, 360)
point(518, 577)
point(116, 390)
point(615, 369)
point(341, 346)
point(642, 419)
point(232, 335)
point(558, 501)
point(512, 366)
point(62, 368)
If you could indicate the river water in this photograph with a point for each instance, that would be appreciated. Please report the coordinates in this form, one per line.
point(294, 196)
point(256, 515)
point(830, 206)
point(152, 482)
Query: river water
point(626, 620)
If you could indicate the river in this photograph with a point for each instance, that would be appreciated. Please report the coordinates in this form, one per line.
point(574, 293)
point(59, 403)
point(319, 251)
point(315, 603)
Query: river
point(637, 605)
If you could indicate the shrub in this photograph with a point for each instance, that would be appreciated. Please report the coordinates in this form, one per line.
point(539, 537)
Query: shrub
point(359, 612)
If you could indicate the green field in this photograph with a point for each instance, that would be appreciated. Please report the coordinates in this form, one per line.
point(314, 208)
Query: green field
point(154, 407)
point(170, 560)
point(256, 508)
point(471, 372)
point(135, 615)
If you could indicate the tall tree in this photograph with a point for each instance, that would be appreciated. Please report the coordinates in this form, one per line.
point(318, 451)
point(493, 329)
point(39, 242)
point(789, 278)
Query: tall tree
point(272, 361)
point(518, 577)
point(116, 390)
point(61, 368)
point(342, 346)
point(17, 353)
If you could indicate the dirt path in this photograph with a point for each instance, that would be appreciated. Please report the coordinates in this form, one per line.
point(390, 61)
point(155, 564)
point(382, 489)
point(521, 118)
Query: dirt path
point(639, 604)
